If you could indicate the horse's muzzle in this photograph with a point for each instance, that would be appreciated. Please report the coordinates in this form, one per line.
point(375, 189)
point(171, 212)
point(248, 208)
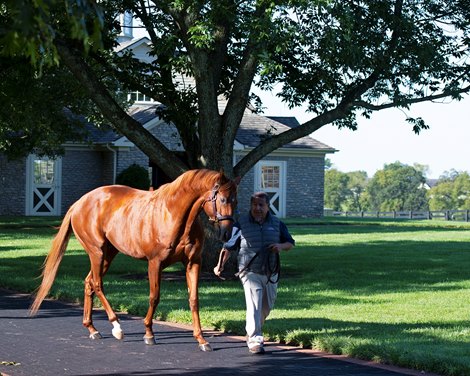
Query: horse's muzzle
point(225, 229)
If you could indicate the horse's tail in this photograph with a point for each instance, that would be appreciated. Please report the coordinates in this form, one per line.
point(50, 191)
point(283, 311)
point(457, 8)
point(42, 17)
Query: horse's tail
point(52, 262)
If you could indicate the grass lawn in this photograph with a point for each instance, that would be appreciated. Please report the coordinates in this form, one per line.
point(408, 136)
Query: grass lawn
point(391, 291)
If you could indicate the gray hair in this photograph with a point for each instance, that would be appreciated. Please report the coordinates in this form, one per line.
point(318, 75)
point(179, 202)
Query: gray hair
point(262, 195)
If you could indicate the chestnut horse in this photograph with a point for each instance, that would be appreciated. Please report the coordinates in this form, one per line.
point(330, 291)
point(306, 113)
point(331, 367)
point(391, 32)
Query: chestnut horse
point(160, 226)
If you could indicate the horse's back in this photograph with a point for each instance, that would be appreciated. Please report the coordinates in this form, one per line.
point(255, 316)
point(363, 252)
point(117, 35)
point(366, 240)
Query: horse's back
point(115, 213)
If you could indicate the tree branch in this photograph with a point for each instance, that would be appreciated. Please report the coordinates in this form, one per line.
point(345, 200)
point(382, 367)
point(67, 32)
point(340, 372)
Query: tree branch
point(275, 142)
point(444, 94)
point(124, 123)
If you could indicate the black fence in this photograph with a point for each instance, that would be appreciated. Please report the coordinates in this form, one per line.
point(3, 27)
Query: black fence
point(448, 215)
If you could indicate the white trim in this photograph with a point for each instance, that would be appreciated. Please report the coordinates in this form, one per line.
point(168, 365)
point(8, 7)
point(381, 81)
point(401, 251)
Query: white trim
point(290, 152)
point(238, 146)
point(132, 44)
point(56, 188)
point(124, 141)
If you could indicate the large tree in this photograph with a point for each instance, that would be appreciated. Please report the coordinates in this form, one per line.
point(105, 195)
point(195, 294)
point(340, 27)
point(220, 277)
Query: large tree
point(452, 192)
point(342, 58)
point(344, 190)
point(397, 187)
point(336, 189)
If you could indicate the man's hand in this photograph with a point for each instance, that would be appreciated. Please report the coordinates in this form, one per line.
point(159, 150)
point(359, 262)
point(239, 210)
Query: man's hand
point(218, 270)
point(275, 248)
point(223, 257)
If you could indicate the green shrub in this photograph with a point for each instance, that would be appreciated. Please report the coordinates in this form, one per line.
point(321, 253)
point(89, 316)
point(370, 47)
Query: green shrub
point(134, 176)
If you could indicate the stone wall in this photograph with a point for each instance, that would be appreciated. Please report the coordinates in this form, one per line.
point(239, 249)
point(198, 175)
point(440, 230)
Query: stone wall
point(12, 186)
point(304, 186)
point(83, 171)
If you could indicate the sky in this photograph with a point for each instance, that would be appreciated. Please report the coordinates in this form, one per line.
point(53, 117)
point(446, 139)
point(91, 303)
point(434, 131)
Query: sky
point(387, 137)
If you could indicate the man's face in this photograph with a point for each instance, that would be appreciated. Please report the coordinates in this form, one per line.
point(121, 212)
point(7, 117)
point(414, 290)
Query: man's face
point(259, 209)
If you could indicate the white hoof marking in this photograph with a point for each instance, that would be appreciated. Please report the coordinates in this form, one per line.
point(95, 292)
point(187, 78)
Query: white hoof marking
point(117, 331)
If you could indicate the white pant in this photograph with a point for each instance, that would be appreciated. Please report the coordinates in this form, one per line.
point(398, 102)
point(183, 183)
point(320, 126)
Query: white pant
point(259, 297)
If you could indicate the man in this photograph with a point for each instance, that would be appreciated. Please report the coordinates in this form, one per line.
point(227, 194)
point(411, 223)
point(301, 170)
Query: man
point(259, 236)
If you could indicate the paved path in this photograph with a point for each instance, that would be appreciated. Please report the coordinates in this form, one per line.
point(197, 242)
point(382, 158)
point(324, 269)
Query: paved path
point(55, 343)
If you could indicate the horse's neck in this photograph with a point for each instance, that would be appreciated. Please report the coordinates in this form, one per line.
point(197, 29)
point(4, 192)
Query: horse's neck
point(192, 216)
point(190, 206)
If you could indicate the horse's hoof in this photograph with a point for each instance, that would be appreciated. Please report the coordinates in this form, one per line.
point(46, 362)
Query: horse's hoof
point(150, 340)
point(117, 333)
point(95, 335)
point(205, 347)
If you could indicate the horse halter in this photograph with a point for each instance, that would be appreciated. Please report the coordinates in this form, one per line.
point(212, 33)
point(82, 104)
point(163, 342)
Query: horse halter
point(213, 198)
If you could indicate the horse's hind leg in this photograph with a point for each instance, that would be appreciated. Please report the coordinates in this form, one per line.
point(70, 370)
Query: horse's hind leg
point(88, 308)
point(94, 285)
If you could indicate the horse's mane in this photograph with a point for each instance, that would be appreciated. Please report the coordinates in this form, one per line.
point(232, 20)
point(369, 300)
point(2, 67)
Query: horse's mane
point(196, 181)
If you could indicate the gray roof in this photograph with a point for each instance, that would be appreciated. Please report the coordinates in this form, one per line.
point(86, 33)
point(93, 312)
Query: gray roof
point(253, 129)
point(290, 121)
point(144, 113)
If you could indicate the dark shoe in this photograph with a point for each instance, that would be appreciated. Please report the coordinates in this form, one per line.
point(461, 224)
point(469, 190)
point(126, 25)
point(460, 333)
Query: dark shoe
point(257, 350)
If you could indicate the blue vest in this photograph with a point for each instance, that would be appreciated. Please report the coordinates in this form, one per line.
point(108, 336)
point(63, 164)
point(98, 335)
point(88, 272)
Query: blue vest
point(254, 242)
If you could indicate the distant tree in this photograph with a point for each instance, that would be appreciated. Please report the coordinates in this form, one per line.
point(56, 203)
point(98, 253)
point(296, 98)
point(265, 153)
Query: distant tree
point(336, 189)
point(451, 192)
point(449, 175)
point(397, 187)
point(344, 190)
point(357, 184)
point(328, 163)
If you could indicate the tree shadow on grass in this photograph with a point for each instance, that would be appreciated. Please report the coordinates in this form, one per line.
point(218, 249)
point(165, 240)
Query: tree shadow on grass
point(367, 228)
point(374, 267)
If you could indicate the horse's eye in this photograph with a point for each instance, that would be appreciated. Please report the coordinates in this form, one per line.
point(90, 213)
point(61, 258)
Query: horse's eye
point(223, 200)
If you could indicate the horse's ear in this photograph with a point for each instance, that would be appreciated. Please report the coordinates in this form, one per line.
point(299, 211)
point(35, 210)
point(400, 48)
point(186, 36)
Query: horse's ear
point(237, 180)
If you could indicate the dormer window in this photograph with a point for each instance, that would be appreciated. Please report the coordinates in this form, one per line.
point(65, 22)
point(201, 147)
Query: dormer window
point(136, 96)
point(125, 20)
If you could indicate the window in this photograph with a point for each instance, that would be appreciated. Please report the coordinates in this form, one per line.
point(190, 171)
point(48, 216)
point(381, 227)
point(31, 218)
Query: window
point(43, 171)
point(136, 96)
point(270, 177)
point(126, 24)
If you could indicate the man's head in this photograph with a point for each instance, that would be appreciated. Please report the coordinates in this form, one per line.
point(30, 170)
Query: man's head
point(259, 206)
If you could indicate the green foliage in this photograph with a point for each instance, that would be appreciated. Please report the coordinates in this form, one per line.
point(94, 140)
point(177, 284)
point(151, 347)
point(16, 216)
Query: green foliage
point(397, 187)
point(342, 59)
point(134, 176)
point(345, 191)
point(30, 28)
point(33, 115)
point(452, 191)
point(336, 192)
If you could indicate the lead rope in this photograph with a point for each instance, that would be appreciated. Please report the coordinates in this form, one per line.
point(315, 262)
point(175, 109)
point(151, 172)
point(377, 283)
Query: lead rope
point(276, 270)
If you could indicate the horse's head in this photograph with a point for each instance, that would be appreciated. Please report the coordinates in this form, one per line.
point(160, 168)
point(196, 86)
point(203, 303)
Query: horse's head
point(221, 203)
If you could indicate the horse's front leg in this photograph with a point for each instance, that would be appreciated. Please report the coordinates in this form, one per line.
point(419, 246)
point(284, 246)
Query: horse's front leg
point(154, 273)
point(192, 279)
